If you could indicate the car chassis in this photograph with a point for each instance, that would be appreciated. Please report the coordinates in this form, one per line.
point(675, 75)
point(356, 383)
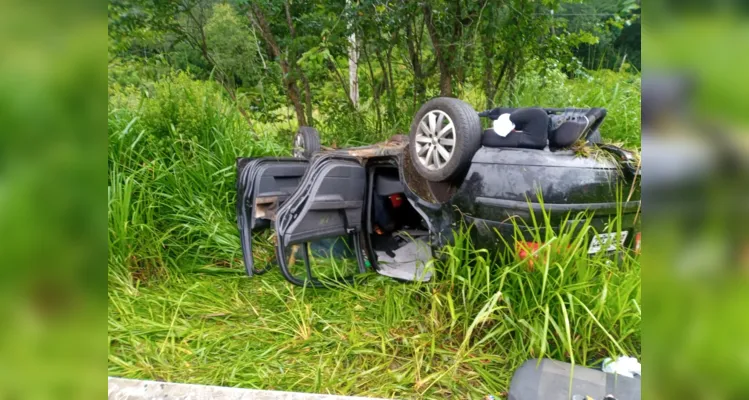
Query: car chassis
point(332, 195)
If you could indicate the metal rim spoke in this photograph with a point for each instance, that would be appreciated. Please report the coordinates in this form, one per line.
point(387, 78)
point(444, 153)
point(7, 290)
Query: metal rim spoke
point(446, 129)
point(298, 146)
point(432, 122)
point(422, 139)
point(425, 128)
point(443, 152)
point(428, 157)
point(435, 139)
point(436, 158)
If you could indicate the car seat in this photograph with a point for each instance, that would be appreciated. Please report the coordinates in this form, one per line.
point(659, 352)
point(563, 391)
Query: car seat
point(535, 127)
point(531, 130)
point(574, 127)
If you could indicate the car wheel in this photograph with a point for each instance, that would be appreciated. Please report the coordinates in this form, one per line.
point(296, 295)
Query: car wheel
point(595, 137)
point(306, 142)
point(445, 134)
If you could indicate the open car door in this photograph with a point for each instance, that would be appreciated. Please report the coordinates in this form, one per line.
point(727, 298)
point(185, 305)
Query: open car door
point(326, 206)
point(263, 184)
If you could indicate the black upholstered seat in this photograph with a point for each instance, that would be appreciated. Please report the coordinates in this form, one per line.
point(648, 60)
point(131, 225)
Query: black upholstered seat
point(567, 134)
point(531, 130)
point(534, 128)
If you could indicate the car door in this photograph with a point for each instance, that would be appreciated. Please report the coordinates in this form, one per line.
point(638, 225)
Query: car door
point(263, 184)
point(328, 206)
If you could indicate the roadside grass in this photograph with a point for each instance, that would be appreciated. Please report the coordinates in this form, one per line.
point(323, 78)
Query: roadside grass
point(459, 336)
point(181, 308)
point(617, 92)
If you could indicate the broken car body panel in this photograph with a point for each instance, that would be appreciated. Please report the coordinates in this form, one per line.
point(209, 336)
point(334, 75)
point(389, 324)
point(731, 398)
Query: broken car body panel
point(330, 196)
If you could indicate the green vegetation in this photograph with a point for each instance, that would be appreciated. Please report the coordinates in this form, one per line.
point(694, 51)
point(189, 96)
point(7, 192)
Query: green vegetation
point(180, 306)
point(181, 309)
point(461, 336)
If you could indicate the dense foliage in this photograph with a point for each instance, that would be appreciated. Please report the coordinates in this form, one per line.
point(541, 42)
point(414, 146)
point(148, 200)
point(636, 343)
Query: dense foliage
point(271, 54)
point(193, 84)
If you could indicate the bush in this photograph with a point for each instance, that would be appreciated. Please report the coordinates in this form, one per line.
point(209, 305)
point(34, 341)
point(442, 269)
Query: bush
point(172, 150)
point(173, 144)
point(618, 92)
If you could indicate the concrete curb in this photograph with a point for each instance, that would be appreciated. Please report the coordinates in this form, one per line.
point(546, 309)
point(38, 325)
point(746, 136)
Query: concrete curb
point(133, 389)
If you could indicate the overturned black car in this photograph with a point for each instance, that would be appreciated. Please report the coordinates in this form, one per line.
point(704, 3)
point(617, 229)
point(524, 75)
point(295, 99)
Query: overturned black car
point(395, 204)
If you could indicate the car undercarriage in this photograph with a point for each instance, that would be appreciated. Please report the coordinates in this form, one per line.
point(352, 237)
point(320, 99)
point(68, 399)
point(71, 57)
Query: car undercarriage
point(376, 205)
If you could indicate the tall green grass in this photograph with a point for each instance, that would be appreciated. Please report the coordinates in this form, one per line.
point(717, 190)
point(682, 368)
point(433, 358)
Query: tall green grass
point(181, 309)
point(461, 335)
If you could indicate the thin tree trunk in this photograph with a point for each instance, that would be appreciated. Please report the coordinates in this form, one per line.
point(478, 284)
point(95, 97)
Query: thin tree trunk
point(454, 62)
point(221, 77)
point(387, 85)
point(507, 63)
point(353, 67)
point(392, 101)
point(375, 91)
point(386, 78)
point(489, 88)
point(334, 68)
point(257, 17)
point(446, 88)
point(353, 75)
point(307, 99)
point(388, 56)
point(414, 55)
point(510, 84)
point(293, 57)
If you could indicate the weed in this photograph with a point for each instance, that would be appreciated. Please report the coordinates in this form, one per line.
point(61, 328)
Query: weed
point(181, 309)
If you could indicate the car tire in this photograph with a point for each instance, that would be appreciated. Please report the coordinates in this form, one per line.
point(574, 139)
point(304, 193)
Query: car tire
point(454, 147)
point(595, 137)
point(306, 142)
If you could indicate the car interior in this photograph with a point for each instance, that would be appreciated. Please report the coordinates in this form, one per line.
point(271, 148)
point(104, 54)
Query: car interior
point(562, 127)
point(397, 233)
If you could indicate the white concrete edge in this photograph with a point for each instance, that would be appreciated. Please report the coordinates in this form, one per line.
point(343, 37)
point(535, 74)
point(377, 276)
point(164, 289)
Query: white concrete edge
point(134, 389)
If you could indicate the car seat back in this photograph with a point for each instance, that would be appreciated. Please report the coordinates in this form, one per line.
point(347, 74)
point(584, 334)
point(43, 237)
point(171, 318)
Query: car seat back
point(572, 127)
point(566, 126)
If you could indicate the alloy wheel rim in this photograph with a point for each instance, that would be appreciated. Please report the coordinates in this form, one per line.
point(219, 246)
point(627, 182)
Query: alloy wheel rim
point(298, 150)
point(435, 140)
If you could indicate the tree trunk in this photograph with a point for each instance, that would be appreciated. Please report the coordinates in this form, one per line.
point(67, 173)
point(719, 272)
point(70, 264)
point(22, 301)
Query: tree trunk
point(392, 100)
point(452, 59)
point(296, 70)
point(508, 62)
point(353, 65)
point(389, 58)
point(375, 90)
point(446, 88)
point(220, 76)
point(257, 17)
point(489, 90)
point(446, 81)
point(334, 68)
point(353, 76)
point(386, 78)
point(307, 99)
point(414, 54)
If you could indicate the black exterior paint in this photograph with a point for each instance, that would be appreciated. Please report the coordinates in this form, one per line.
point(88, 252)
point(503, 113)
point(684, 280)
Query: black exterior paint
point(506, 183)
point(500, 184)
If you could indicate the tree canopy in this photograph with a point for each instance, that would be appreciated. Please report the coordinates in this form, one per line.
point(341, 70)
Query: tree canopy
point(275, 53)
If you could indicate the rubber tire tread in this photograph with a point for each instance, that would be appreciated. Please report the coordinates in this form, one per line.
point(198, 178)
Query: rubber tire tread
point(311, 139)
